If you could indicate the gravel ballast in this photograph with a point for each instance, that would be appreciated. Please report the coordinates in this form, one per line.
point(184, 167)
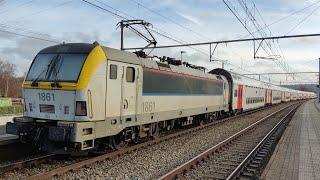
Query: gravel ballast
point(153, 161)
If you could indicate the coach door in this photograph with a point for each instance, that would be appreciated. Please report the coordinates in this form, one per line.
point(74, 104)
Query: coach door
point(129, 92)
point(268, 96)
point(240, 93)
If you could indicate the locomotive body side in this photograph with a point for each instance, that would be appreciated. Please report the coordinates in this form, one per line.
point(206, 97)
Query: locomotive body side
point(80, 97)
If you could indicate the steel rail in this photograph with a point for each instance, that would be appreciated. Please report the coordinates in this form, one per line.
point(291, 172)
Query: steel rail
point(240, 167)
point(204, 155)
point(35, 161)
point(62, 170)
point(26, 163)
point(315, 104)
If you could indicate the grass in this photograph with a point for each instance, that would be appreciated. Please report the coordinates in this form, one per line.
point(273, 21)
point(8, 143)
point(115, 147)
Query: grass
point(11, 110)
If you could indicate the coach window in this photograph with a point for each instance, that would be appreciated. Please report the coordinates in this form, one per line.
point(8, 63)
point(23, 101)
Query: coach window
point(235, 93)
point(113, 71)
point(130, 74)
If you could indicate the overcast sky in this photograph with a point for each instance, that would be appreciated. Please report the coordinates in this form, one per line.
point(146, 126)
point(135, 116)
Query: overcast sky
point(184, 20)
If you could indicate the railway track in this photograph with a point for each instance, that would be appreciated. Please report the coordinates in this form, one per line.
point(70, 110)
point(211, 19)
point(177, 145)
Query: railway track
point(71, 167)
point(243, 155)
point(315, 104)
point(33, 161)
point(63, 168)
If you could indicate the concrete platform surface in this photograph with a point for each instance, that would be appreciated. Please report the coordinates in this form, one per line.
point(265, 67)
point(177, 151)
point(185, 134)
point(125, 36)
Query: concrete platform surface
point(2, 130)
point(297, 155)
point(8, 139)
point(5, 119)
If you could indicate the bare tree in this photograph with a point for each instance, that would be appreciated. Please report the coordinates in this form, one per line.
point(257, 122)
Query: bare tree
point(7, 75)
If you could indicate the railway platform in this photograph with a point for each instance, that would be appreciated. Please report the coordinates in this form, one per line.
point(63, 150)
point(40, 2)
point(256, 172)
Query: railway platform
point(6, 138)
point(297, 155)
point(5, 119)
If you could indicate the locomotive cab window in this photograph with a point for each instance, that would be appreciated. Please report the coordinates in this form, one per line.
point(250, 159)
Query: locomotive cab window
point(130, 74)
point(62, 67)
point(113, 71)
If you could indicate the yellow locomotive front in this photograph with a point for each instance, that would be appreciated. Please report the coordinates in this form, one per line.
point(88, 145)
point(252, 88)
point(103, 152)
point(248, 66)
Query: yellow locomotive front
point(58, 97)
point(47, 91)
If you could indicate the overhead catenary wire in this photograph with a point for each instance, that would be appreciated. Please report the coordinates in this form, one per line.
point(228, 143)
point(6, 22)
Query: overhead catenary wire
point(303, 20)
point(17, 29)
point(180, 25)
point(18, 6)
point(40, 11)
point(27, 33)
point(104, 9)
point(285, 17)
point(232, 41)
point(170, 20)
point(110, 6)
point(279, 62)
point(29, 36)
point(283, 59)
point(188, 29)
point(241, 22)
point(155, 30)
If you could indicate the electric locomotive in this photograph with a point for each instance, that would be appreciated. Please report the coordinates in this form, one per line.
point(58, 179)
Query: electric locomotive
point(82, 97)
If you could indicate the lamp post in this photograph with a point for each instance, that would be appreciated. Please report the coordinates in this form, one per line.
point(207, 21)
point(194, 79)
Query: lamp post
point(181, 52)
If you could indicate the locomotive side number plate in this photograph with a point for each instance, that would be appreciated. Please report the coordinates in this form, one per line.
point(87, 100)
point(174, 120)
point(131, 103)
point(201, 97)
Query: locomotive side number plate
point(148, 106)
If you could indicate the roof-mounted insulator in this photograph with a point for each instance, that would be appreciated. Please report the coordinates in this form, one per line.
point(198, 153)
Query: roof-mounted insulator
point(174, 61)
point(194, 66)
point(141, 54)
point(96, 43)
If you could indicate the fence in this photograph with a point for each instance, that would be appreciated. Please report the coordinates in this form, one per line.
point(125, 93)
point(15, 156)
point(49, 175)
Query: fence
point(5, 102)
point(11, 106)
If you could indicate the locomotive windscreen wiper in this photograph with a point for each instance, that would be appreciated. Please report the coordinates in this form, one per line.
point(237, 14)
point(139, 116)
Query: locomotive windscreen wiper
point(35, 81)
point(47, 71)
point(51, 66)
point(55, 71)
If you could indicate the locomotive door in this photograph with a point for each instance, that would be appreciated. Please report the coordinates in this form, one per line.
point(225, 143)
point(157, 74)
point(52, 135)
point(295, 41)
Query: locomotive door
point(114, 89)
point(121, 95)
point(224, 95)
point(129, 92)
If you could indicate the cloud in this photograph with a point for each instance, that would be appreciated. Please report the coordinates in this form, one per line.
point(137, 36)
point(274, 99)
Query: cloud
point(191, 18)
point(307, 40)
point(23, 52)
point(5, 35)
point(81, 37)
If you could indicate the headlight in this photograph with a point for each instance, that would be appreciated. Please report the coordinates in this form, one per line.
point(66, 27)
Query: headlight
point(30, 107)
point(81, 108)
